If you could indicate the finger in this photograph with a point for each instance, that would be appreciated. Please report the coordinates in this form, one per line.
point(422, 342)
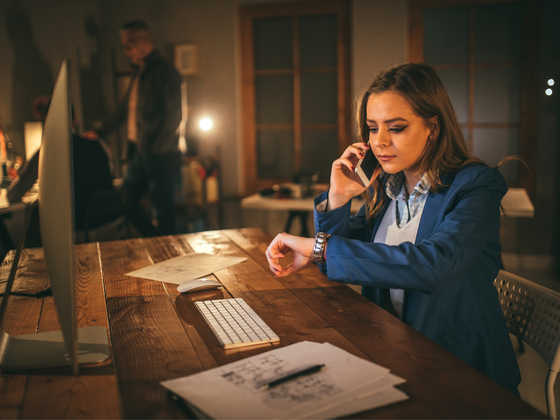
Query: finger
point(342, 162)
point(273, 254)
point(280, 273)
point(289, 270)
point(356, 149)
point(352, 152)
point(275, 269)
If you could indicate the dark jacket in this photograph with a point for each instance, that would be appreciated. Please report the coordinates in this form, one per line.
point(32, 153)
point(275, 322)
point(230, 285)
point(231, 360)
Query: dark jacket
point(447, 274)
point(158, 108)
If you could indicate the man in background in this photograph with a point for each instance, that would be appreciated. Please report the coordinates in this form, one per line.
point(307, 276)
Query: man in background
point(152, 112)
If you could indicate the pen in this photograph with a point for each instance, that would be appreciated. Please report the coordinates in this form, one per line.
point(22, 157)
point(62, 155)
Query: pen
point(289, 376)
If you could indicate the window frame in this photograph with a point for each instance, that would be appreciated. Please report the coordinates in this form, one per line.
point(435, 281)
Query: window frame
point(247, 13)
point(529, 71)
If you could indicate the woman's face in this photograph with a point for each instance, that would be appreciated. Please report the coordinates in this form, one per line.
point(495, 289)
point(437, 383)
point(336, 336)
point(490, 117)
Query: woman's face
point(397, 136)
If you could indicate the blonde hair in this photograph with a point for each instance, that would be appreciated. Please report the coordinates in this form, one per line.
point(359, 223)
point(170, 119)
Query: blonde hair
point(422, 88)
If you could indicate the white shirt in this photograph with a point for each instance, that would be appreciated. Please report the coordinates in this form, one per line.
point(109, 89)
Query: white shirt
point(390, 233)
point(401, 220)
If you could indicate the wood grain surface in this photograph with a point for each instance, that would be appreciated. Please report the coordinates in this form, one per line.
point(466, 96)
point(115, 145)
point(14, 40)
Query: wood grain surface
point(157, 334)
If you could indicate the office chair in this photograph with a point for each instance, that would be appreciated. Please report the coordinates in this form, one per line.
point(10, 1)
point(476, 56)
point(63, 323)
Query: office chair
point(105, 217)
point(532, 313)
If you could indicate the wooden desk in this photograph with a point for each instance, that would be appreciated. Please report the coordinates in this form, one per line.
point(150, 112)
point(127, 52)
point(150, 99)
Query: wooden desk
point(157, 334)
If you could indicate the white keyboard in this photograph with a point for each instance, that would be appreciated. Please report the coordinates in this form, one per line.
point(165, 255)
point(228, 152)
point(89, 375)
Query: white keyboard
point(234, 323)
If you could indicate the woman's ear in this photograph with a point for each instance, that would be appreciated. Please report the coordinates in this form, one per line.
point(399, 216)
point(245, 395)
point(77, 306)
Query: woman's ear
point(433, 125)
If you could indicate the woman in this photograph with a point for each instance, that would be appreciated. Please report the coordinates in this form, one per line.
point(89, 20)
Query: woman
point(426, 245)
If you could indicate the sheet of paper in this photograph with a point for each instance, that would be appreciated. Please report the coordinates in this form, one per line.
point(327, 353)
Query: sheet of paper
point(382, 398)
point(370, 396)
point(230, 391)
point(186, 267)
point(350, 398)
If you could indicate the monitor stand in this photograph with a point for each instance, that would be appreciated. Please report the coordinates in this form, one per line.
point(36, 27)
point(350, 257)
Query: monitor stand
point(47, 349)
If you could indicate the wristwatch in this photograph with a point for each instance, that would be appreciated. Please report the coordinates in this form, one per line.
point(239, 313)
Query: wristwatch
point(319, 247)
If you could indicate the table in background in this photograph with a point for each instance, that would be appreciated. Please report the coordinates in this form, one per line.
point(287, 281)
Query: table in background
point(297, 208)
point(157, 334)
point(516, 203)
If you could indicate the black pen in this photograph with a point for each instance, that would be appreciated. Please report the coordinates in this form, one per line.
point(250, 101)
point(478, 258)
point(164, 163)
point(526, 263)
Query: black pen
point(289, 376)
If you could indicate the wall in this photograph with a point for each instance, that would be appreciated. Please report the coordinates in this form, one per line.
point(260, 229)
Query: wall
point(34, 39)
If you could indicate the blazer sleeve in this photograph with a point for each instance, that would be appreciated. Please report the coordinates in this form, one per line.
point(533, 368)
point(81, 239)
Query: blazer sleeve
point(469, 222)
point(339, 222)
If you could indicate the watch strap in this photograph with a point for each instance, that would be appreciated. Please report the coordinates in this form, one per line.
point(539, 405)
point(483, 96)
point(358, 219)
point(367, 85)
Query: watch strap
point(319, 247)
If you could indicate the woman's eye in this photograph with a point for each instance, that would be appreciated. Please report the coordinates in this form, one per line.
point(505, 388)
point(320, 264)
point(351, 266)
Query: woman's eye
point(373, 129)
point(397, 129)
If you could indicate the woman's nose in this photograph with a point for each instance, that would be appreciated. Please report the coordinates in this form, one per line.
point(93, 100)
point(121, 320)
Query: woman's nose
point(380, 139)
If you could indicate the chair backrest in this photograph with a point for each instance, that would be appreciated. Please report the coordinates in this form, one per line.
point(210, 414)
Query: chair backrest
point(532, 313)
point(103, 207)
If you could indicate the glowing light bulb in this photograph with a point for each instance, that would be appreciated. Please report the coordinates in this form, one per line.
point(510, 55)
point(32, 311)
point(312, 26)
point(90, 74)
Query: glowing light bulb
point(548, 92)
point(205, 124)
point(550, 82)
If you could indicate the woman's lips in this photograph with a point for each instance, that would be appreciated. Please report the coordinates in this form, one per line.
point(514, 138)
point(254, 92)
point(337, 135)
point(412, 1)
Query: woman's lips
point(385, 158)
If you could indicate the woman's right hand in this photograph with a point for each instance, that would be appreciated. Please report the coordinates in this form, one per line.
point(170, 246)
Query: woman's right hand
point(345, 183)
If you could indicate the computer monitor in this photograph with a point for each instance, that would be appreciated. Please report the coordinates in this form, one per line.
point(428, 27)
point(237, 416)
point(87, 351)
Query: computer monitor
point(70, 345)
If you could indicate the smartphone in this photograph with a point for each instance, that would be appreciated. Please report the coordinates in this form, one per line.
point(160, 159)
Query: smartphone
point(366, 167)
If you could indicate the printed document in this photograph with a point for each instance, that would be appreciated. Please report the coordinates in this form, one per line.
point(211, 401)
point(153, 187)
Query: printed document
point(188, 267)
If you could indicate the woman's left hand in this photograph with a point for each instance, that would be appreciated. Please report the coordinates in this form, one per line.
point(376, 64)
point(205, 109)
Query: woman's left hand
point(283, 244)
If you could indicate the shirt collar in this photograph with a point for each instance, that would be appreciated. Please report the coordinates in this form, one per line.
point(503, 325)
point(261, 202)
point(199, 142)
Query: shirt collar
point(396, 190)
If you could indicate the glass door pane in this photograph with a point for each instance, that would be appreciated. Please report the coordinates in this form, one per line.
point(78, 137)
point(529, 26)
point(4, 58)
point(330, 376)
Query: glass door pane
point(498, 33)
point(494, 144)
point(317, 41)
point(274, 99)
point(497, 95)
point(273, 43)
point(456, 83)
point(319, 149)
point(275, 154)
point(446, 35)
point(319, 98)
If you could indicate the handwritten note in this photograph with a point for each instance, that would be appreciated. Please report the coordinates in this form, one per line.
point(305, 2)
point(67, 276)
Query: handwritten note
point(347, 384)
point(186, 267)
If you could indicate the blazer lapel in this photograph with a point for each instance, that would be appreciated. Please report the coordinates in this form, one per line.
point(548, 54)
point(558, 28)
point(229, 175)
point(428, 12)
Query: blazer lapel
point(432, 210)
point(377, 220)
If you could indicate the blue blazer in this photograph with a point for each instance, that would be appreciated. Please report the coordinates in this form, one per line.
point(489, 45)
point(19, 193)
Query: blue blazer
point(447, 274)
